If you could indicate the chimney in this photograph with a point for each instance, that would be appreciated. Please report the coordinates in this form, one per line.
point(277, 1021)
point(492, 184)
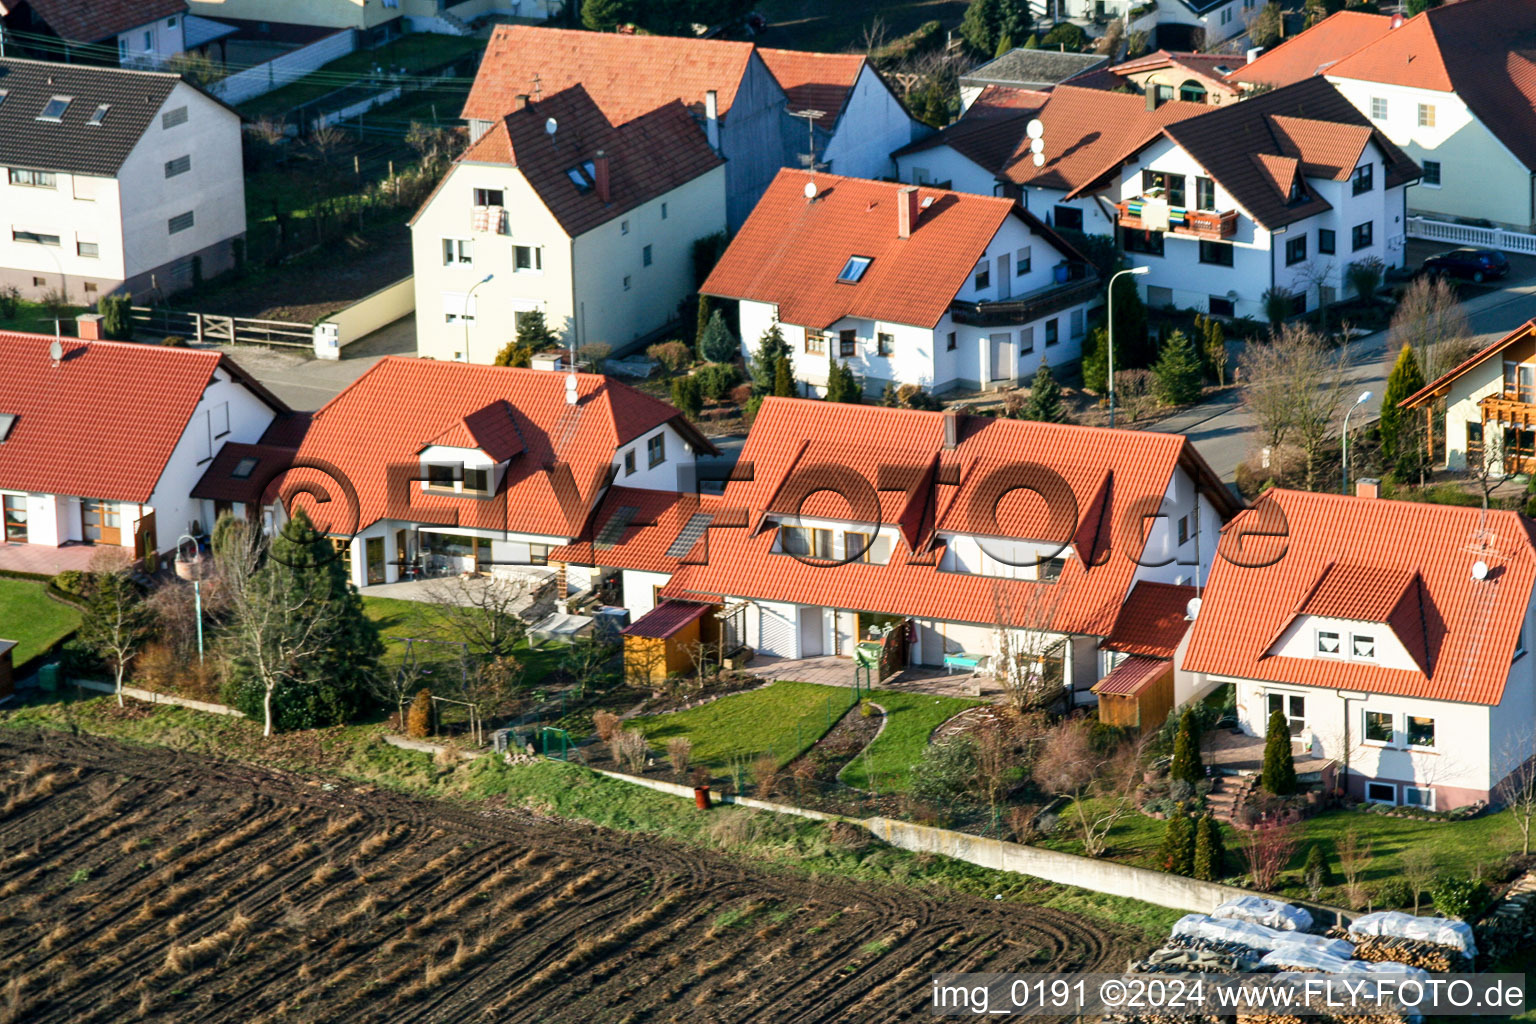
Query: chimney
point(1151, 96)
point(712, 119)
point(520, 101)
point(1367, 487)
point(88, 326)
point(1253, 53)
point(951, 430)
point(907, 211)
point(600, 174)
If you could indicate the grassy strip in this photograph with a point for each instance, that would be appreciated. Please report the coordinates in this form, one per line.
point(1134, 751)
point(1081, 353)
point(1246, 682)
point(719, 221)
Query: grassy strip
point(778, 842)
point(783, 720)
point(910, 719)
point(416, 53)
point(417, 619)
point(31, 619)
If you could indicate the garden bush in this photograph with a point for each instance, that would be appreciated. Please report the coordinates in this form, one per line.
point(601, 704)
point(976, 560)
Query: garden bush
point(672, 355)
point(418, 721)
point(1456, 896)
point(717, 379)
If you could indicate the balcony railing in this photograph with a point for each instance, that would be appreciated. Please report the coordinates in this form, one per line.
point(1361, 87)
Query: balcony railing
point(1205, 224)
point(1509, 409)
point(1025, 308)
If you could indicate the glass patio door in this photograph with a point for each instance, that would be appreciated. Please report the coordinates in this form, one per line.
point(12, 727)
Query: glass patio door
point(102, 521)
point(15, 518)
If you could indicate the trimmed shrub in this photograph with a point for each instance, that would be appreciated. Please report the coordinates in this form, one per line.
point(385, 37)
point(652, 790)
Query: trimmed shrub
point(1210, 850)
point(418, 721)
point(672, 355)
point(1279, 774)
point(717, 379)
point(687, 395)
point(1177, 853)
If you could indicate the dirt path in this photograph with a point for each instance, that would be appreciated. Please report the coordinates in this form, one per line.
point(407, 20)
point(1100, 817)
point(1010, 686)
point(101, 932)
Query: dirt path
point(150, 884)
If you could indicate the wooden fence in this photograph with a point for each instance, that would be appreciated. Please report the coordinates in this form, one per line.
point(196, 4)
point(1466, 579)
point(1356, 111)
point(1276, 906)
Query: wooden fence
point(215, 329)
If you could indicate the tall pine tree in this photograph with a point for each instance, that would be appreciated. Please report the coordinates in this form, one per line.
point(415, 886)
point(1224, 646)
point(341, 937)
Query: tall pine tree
point(1044, 398)
point(1186, 751)
point(783, 380)
point(1278, 775)
point(1210, 850)
point(1178, 371)
point(765, 361)
point(1398, 436)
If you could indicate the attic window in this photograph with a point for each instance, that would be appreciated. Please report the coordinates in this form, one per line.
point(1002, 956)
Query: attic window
point(854, 269)
point(55, 107)
point(583, 177)
point(244, 468)
point(7, 421)
point(3, 94)
point(99, 114)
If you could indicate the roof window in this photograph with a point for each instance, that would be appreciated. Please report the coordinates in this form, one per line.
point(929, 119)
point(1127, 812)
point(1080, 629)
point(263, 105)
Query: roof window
point(3, 94)
point(583, 177)
point(244, 468)
point(54, 109)
point(854, 269)
point(7, 421)
point(99, 114)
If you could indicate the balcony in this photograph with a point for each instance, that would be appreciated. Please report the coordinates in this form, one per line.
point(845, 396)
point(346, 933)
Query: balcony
point(1510, 410)
point(1206, 224)
point(1029, 307)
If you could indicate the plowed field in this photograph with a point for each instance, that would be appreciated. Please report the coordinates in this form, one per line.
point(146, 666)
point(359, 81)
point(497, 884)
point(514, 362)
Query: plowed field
point(146, 884)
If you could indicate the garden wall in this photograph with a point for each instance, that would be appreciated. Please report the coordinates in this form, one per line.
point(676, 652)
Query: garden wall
point(159, 698)
point(279, 71)
point(363, 317)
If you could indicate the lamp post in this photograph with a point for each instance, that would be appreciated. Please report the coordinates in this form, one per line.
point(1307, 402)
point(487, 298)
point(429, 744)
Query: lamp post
point(1365, 396)
point(465, 317)
point(197, 591)
point(1109, 307)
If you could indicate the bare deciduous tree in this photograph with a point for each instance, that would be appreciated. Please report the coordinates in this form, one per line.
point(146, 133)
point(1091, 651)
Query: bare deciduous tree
point(1354, 859)
point(1486, 466)
point(1268, 849)
point(1070, 766)
point(1418, 865)
point(1026, 646)
point(116, 621)
point(1296, 391)
point(1431, 320)
point(1518, 790)
point(481, 611)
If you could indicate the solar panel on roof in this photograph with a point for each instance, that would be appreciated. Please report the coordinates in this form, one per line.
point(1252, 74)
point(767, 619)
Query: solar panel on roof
point(613, 529)
point(692, 531)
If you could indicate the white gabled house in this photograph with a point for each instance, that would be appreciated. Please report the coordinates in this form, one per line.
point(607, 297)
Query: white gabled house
point(104, 445)
point(905, 285)
point(142, 33)
point(1490, 407)
point(1392, 636)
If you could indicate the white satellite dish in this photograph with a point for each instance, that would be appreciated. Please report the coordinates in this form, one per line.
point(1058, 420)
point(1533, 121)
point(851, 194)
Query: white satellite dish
point(1479, 570)
point(1037, 145)
point(1035, 128)
point(550, 126)
point(1192, 609)
point(55, 351)
point(570, 389)
point(1038, 159)
point(810, 190)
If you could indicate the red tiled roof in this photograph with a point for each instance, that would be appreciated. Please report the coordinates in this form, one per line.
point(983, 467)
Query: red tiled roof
point(218, 482)
point(1479, 49)
point(1087, 600)
point(1088, 132)
point(648, 156)
point(1325, 149)
point(1436, 387)
point(1007, 97)
point(1315, 51)
point(626, 75)
point(1130, 676)
point(492, 430)
point(791, 250)
point(665, 619)
point(815, 81)
point(1409, 566)
point(635, 528)
point(104, 422)
point(1152, 621)
point(90, 21)
point(370, 434)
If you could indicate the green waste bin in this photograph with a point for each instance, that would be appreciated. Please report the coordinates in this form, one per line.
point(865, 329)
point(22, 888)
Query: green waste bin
point(48, 677)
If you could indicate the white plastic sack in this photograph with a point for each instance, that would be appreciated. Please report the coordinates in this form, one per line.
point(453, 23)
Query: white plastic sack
point(1438, 930)
point(1291, 956)
point(1256, 936)
point(1269, 913)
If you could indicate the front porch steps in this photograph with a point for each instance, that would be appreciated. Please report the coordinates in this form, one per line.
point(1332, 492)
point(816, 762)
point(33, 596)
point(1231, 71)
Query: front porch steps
point(1228, 794)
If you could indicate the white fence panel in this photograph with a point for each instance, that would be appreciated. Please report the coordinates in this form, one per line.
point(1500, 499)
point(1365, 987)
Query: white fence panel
point(279, 71)
point(1467, 234)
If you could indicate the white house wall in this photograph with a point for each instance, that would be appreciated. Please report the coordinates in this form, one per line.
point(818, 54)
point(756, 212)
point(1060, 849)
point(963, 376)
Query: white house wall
point(753, 140)
point(151, 44)
point(940, 164)
point(1480, 178)
point(79, 209)
point(1163, 559)
point(871, 125)
point(675, 472)
point(640, 590)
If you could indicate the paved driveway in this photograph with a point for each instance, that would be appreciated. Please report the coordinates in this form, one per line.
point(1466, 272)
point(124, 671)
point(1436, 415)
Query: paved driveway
point(307, 383)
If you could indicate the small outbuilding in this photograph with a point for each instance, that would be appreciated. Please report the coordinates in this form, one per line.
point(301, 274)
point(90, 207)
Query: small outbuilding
point(661, 642)
point(1137, 694)
point(7, 668)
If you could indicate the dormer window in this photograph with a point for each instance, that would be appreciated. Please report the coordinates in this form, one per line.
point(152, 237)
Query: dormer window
point(54, 109)
point(1362, 645)
point(1328, 643)
point(854, 269)
point(477, 480)
point(439, 477)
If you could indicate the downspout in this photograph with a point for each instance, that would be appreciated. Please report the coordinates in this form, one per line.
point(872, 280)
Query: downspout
point(1344, 779)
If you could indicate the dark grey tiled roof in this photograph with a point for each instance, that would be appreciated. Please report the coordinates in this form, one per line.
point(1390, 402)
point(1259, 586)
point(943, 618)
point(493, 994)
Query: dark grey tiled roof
point(72, 144)
point(1032, 69)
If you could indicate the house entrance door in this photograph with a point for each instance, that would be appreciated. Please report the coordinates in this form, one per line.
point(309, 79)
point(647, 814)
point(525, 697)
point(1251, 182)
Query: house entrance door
point(1002, 356)
point(102, 521)
point(375, 555)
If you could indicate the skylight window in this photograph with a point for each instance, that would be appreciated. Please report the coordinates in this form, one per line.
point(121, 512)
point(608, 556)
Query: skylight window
point(7, 421)
point(583, 177)
point(99, 114)
point(55, 107)
point(854, 269)
point(3, 94)
point(244, 468)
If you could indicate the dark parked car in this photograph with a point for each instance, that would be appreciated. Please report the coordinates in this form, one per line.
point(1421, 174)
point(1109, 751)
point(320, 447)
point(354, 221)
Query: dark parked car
point(1472, 264)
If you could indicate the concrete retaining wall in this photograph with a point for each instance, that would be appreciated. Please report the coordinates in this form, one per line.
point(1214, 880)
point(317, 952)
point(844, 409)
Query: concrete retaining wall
point(744, 801)
point(279, 71)
point(363, 317)
point(151, 697)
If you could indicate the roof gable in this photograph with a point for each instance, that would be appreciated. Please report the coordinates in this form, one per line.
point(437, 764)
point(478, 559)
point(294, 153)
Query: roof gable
point(1314, 51)
point(815, 81)
point(1437, 387)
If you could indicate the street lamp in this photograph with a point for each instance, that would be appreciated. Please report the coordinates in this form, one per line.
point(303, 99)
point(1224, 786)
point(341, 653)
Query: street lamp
point(197, 589)
point(1365, 396)
point(465, 316)
point(1109, 306)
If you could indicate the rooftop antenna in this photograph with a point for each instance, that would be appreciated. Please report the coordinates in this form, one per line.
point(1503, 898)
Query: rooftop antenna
point(811, 117)
point(570, 378)
point(537, 88)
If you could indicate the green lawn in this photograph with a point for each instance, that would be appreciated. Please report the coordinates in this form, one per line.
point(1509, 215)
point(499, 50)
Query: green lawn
point(910, 720)
point(416, 53)
point(34, 317)
point(32, 618)
point(416, 620)
point(784, 720)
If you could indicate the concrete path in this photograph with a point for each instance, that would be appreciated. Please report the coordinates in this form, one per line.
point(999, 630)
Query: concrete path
point(834, 671)
point(307, 383)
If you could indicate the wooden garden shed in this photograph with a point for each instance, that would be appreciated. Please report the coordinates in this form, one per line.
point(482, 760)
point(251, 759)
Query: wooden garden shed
point(660, 643)
point(1137, 693)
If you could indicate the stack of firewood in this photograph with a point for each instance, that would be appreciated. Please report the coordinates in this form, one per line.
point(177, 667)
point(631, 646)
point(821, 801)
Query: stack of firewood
point(1510, 926)
point(1413, 952)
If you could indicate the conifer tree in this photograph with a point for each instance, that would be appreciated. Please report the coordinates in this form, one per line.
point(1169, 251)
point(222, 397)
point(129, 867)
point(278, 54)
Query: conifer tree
point(1279, 772)
point(1044, 397)
point(1210, 850)
point(771, 347)
point(1398, 438)
point(783, 381)
point(1178, 371)
point(1178, 850)
point(717, 345)
point(1186, 752)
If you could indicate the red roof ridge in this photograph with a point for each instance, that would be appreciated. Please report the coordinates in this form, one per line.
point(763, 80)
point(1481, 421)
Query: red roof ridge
point(1360, 23)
